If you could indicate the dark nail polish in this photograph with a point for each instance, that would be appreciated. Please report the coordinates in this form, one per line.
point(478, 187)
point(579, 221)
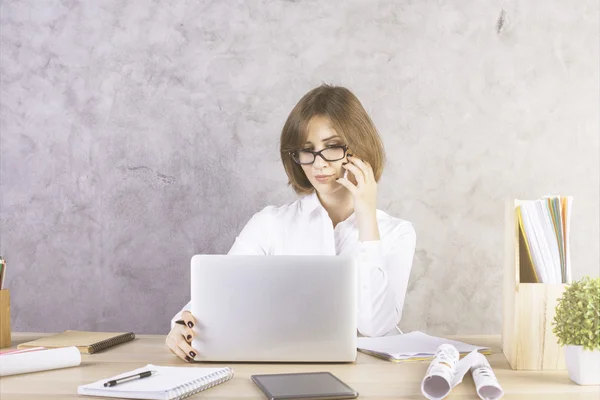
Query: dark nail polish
point(188, 359)
point(192, 354)
point(190, 324)
point(189, 337)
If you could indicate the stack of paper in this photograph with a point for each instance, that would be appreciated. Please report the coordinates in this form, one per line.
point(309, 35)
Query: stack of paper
point(545, 225)
point(413, 346)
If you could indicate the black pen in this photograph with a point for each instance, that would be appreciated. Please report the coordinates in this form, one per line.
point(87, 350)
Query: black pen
point(141, 375)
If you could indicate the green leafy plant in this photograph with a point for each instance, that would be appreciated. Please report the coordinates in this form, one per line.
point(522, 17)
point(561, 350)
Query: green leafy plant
point(577, 318)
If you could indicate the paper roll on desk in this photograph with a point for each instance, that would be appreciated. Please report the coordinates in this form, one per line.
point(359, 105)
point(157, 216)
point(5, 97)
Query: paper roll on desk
point(42, 360)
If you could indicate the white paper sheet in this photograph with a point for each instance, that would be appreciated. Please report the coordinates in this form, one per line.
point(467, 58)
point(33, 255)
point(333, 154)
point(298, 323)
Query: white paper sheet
point(412, 345)
point(21, 363)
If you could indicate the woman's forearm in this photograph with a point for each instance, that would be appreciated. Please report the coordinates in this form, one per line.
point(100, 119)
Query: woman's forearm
point(368, 229)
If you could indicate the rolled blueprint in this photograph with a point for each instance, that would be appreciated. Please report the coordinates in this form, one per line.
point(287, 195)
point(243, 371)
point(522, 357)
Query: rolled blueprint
point(447, 371)
point(486, 383)
point(439, 379)
point(33, 361)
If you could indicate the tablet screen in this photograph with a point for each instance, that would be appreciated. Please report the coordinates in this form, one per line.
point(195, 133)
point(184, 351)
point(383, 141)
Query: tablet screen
point(314, 385)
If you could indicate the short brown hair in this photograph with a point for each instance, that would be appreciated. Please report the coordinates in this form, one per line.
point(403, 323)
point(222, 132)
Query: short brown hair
point(348, 117)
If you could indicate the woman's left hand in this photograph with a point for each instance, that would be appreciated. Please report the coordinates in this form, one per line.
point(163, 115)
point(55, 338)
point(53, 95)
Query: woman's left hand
point(365, 190)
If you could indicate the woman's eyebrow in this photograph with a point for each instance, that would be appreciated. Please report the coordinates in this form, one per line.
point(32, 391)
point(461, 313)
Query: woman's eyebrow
point(326, 139)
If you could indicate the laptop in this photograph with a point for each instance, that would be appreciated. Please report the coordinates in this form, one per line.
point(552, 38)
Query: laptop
point(252, 308)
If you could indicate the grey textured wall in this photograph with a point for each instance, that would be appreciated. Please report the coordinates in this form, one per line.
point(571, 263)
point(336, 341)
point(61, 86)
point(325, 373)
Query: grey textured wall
point(136, 134)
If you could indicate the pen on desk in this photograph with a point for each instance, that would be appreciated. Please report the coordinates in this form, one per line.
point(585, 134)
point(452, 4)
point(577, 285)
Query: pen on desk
point(141, 375)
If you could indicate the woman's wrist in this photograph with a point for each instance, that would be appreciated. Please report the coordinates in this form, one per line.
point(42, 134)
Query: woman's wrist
point(368, 229)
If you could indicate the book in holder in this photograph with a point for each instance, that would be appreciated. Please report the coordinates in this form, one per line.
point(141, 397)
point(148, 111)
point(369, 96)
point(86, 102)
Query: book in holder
point(5, 333)
point(528, 305)
point(86, 342)
point(166, 383)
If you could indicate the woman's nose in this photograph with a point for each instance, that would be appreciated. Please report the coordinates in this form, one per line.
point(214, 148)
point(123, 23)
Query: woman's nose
point(319, 162)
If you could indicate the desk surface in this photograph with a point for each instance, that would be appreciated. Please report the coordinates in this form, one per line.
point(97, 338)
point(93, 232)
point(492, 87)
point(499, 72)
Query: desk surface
point(371, 377)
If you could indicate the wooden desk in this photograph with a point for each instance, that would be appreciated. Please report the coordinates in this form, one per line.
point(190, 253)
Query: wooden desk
point(371, 377)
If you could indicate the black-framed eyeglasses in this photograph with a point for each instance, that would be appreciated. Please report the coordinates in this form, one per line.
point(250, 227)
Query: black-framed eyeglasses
point(331, 153)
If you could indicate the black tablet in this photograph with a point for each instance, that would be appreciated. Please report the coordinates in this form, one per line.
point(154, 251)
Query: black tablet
point(310, 385)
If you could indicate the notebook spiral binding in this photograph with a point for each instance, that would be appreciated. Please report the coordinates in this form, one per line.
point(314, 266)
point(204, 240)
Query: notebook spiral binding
point(201, 384)
point(105, 344)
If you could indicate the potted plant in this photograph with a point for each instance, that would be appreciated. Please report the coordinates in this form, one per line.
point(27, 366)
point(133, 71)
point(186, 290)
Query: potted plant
point(576, 324)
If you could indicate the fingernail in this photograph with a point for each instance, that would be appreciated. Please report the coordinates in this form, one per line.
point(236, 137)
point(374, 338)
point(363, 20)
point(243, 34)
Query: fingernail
point(189, 337)
point(188, 359)
point(192, 354)
point(190, 324)
point(344, 163)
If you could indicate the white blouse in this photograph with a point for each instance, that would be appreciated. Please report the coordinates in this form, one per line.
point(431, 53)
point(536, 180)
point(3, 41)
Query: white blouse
point(303, 227)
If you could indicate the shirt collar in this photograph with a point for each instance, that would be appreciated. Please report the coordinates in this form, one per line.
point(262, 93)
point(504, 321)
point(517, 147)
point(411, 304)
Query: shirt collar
point(310, 202)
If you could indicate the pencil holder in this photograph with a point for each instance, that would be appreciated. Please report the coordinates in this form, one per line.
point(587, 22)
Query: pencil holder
point(528, 308)
point(5, 318)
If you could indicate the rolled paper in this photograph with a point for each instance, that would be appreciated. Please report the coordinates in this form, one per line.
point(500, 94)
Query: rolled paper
point(439, 378)
point(42, 360)
point(486, 383)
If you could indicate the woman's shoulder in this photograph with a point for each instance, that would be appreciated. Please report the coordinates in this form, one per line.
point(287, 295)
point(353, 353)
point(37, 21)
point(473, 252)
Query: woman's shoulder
point(290, 209)
point(389, 223)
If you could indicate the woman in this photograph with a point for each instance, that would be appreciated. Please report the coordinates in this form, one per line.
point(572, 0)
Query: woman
point(333, 156)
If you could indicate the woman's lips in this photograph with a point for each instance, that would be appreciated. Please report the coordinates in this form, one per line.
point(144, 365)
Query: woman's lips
point(323, 178)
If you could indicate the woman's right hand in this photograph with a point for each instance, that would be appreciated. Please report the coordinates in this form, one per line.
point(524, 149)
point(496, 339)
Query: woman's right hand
point(180, 338)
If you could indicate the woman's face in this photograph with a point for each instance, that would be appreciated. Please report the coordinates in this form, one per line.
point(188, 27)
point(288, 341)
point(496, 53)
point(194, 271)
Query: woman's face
point(322, 173)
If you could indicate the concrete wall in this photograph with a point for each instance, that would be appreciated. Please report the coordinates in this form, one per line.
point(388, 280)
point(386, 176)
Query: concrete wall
point(136, 134)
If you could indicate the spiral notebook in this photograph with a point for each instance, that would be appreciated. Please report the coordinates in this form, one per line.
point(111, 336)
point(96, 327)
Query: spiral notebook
point(86, 342)
point(166, 384)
